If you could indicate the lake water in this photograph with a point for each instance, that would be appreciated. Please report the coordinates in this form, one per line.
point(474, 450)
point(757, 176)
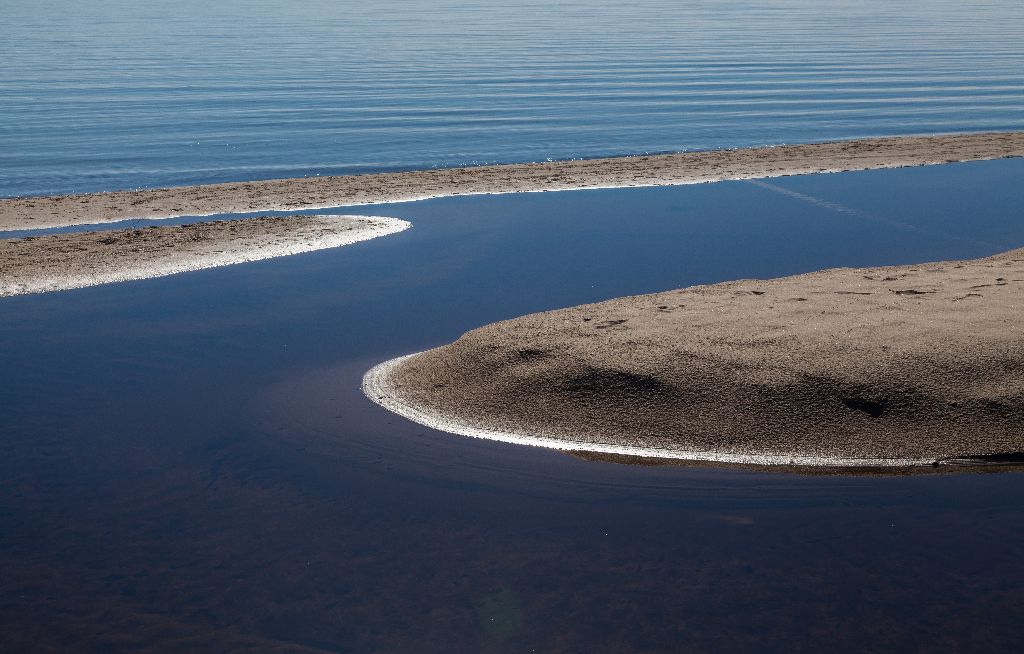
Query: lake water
point(187, 463)
point(131, 93)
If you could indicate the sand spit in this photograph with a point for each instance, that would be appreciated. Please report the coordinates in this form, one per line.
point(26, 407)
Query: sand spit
point(856, 368)
point(654, 170)
point(65, 261)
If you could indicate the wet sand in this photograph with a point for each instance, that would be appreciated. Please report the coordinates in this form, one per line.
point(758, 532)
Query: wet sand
point(653, 170)
point(65, 261)
point(856, 368)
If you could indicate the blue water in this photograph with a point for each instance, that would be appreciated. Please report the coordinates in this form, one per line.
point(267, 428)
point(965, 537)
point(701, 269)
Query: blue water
point(187, 463)
point(112, 94)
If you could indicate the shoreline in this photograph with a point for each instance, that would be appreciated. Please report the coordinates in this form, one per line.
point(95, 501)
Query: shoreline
point(376, 386)
point(895, 367)
point(314, 193)
point(58, 262)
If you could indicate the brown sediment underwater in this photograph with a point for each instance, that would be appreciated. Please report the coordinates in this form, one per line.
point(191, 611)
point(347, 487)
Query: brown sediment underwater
point(647, 170)
point(845, 369)
point(55, 262)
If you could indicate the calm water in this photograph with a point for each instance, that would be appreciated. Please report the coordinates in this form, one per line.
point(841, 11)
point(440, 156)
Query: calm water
point(127, 93)
point(187, 463)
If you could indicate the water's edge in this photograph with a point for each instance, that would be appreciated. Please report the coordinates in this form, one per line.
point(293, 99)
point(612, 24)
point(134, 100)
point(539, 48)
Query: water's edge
point(619, 172)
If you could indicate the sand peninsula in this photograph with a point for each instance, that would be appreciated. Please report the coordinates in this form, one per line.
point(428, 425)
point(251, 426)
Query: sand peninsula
point(37, 264)
point(653, 170)
point(845, 368)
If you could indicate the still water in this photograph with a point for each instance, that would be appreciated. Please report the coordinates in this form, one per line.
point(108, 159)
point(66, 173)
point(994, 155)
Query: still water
point(130, 93)
point(187, 463)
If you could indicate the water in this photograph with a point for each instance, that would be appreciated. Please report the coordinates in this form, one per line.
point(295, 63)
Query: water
point(133, 93)
point(187, 463)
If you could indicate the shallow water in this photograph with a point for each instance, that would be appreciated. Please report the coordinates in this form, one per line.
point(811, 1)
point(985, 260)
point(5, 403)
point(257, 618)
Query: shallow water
point(188, 463)
point(129, 93)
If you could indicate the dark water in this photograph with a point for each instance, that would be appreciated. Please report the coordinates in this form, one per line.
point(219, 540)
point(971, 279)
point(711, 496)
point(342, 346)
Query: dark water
point(126, 93)
point(187, 463)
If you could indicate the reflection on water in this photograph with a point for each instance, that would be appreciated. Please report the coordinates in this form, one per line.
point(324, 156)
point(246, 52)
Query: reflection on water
point(125, 93)
point(187, 462)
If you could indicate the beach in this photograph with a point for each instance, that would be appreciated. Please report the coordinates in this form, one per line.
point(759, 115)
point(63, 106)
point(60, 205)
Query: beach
point(883, 367)
point(833, 368)
point(75, 260)
point(616, 172)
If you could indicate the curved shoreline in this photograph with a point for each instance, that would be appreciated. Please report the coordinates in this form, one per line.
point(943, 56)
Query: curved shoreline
point(867, 368)
point(613, 172)
point(57, 262)
point(376, 387)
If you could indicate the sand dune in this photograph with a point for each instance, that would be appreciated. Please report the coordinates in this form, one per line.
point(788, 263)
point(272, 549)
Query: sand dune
point(66, 261)
point(876, 367)
point(654, 170)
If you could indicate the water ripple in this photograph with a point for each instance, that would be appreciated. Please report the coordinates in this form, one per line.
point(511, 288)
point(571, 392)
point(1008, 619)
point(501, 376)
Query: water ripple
point(124, 94)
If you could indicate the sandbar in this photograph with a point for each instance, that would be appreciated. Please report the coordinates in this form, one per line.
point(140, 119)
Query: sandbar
point(38, 264)
point(900, 366)
point(615, 172)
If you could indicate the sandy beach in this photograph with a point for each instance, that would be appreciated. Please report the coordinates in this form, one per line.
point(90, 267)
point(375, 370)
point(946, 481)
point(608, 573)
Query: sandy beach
point(653, 170)
point(65, 261)
point(876, 367)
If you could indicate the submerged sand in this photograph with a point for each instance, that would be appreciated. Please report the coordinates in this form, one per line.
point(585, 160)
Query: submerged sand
point(65, 261)
point(653, 170)
point(873, 367)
